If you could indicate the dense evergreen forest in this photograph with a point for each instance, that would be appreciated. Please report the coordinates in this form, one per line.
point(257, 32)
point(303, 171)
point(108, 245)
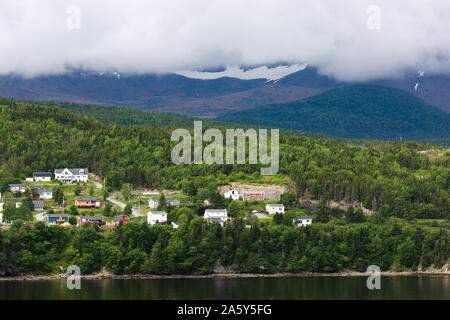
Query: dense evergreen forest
point(392, 177)
point(130, 117)
point(200, 247)
point(360, 111)
point(127, 116)
point(405, 188)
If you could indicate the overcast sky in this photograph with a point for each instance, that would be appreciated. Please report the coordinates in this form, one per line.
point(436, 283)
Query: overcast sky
point(42, 37)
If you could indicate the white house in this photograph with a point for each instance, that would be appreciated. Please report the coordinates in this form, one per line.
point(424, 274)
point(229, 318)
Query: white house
point(42, 176)
point(18, 204)
point(29, 179)
point(232, 194)
point(274, 208)
point(17, 187)
point(72, 175)
point(44, 194)
point(1, 219)
point(302, 221)
point(156, 217)
point(1, 206)
point(216, 216)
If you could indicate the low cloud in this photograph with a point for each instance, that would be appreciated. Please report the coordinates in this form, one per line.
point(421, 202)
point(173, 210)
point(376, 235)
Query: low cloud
point(341, 38)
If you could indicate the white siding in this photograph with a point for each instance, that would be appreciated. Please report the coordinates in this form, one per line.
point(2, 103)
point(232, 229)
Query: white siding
point(155, 217)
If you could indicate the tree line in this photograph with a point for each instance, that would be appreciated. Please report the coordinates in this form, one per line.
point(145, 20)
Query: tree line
point(198, 246)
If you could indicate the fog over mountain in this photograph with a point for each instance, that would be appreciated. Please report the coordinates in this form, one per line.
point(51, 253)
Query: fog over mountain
point(350, 40)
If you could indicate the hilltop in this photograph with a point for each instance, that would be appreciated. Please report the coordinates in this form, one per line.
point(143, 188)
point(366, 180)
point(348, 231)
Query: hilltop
point(364, 112)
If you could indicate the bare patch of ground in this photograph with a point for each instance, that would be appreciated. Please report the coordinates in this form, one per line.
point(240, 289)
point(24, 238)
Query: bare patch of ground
point(345, 205)
point(312, 204)
point(272, 192)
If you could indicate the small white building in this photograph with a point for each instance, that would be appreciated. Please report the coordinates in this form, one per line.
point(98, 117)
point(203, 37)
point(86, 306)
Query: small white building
point(274, 208)
point(18, 204)
point(175, 225)
point(156, 217)
point(302, 221)
point(1, 219)
point(17, 187)
point(232, 194)
point(72, 175)
point(46, 194)
point(216, 216)
point(42, 176)
point(29, 179)
point(1, 206)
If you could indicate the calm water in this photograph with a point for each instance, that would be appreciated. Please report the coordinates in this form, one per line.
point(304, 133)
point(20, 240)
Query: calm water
point(410, 287)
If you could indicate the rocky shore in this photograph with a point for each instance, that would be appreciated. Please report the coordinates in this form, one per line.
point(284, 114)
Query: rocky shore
point(105, 275)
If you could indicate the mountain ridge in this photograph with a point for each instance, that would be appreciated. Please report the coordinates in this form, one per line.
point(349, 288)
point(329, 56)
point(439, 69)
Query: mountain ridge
point(359, 111)
point(174, 93)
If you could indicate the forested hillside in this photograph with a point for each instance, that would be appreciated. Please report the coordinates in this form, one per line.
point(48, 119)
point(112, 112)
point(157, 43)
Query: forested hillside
point(364, 112)
point(201, 247)
point(130, 117)
point(388, 176)
point(392, 178)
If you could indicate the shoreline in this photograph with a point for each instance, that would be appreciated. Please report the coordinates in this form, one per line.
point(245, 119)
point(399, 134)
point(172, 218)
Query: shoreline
point(107, 276)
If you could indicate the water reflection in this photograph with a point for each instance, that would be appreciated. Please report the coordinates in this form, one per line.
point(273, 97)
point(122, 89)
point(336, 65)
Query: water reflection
point(296, 288)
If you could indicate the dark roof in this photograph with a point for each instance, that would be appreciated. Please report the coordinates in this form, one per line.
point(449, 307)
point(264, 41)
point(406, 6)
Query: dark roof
point(91, 217)
point(216, 210)
point(42, 174)
point(302, 218)
point(86, 199)
point(57, 215)
point(275, 205)
point(40, 189)
point(219, 220)
point(73, 170)
point(157, 212)
point(17, 185)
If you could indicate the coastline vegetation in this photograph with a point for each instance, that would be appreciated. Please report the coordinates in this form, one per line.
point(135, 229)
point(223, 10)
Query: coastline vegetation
point(200, 247)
